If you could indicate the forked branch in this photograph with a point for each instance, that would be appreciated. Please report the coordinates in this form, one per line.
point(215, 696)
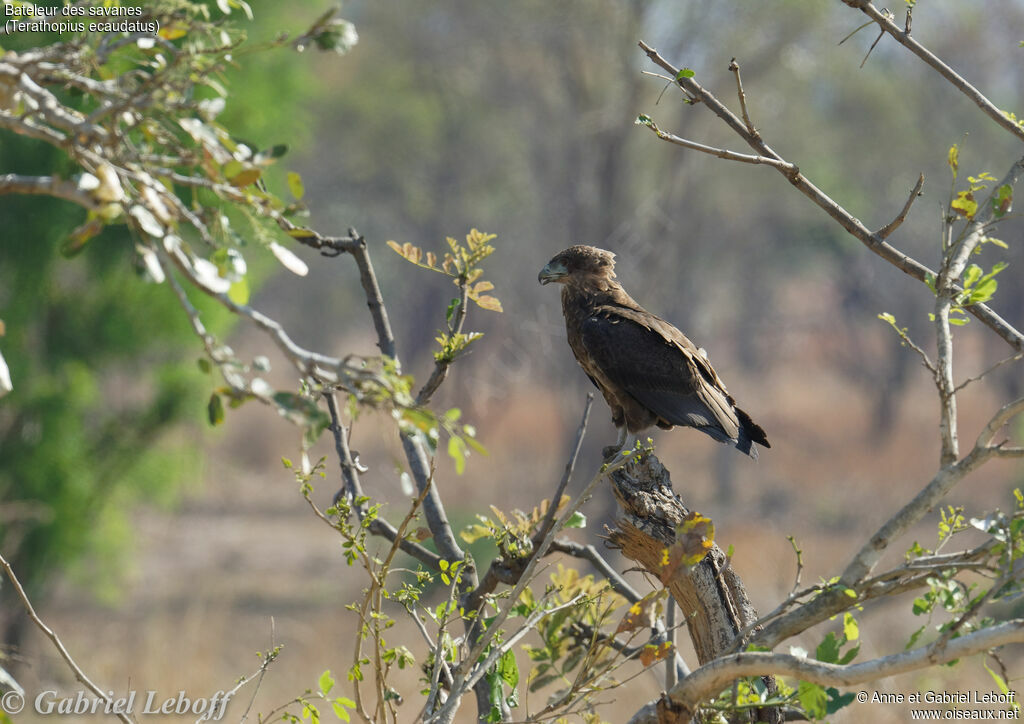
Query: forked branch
point(873, 241)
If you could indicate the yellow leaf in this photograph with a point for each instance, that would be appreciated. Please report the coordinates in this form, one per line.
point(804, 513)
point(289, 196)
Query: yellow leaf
point(490, 303)
point(239, 292)
point(172, 32)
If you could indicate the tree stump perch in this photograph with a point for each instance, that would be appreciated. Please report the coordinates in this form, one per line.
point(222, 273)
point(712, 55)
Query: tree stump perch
point(711, 596)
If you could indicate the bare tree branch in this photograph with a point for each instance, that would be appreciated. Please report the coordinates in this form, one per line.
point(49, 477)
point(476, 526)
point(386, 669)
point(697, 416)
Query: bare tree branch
point(836, 598)
point(735, 68)
point(353, 490)
point(719, 152)
point(58, 644)
point(711, 678)
point(12, 183)
point(570, 464)
point(993, 368)
point(852, 225)
point(903, 37)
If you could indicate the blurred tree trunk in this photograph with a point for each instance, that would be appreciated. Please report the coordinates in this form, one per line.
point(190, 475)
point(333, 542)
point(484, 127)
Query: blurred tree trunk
point(711, 595)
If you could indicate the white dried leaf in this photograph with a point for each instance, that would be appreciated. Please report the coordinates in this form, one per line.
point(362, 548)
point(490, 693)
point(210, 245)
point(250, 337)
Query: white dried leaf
point(88, 182)
point(147, 222)
point(260, 387)
point(109, 190)
point(151, 263)
point(5, 377)
point(156, 205)
point(207, 274)
point(210, 108)
point(288, 260)
point(236, 266)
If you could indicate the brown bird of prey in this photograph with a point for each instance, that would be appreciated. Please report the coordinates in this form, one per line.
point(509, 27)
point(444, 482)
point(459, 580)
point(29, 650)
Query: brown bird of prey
point(647, 370)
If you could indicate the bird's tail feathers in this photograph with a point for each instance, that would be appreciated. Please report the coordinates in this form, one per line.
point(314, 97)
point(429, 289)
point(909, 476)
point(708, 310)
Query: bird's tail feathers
point(749, 433)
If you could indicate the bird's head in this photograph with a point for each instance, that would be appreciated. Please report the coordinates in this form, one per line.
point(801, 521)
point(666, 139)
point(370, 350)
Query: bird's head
point(578, 263)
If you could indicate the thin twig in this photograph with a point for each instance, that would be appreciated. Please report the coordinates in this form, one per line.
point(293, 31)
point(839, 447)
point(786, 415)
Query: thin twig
point(993, 368)
point(901, 261)
point(591, 554)
point(872, 48)
point(735, 68)
point(509, 572)
point(353, 491)
point(268, 659)
point(49, 186)
point(58, 644)
point(719, 152)
point(462, 676)
point(570, 464)
point(903, 37)
point(443, 364)
point(884, 232)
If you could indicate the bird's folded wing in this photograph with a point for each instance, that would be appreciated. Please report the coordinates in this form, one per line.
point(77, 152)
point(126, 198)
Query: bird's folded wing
point(660, 368)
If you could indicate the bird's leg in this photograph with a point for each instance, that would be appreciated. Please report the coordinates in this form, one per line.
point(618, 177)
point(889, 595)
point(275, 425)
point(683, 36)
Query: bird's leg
point(627, 441)
point(611, 450)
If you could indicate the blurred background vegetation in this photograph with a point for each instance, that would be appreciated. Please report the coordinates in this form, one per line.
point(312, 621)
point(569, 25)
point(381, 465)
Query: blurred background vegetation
point(517, 119)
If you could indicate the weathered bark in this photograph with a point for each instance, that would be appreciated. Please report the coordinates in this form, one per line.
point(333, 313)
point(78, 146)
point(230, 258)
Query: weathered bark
point(710, 595)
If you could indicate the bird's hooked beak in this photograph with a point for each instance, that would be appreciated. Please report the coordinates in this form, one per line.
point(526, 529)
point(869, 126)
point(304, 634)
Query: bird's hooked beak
point(552, 272)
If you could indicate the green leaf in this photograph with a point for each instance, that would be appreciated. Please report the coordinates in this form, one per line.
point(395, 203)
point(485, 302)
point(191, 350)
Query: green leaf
point(457, 452)
point(837, 701)
point(828, 649)
point(685, 73)
point(953, 159)
point(983, 292)
point(849, 656)
point(971, 275)
point(1002, 200)
point(813, 699)
point(340, 711)
point(215, 410)
point(644, 120)
point(295, 185)
point(508, 669)
point(576, 520)
point(914, 637)
point(326, 682)
point(1000, 681)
